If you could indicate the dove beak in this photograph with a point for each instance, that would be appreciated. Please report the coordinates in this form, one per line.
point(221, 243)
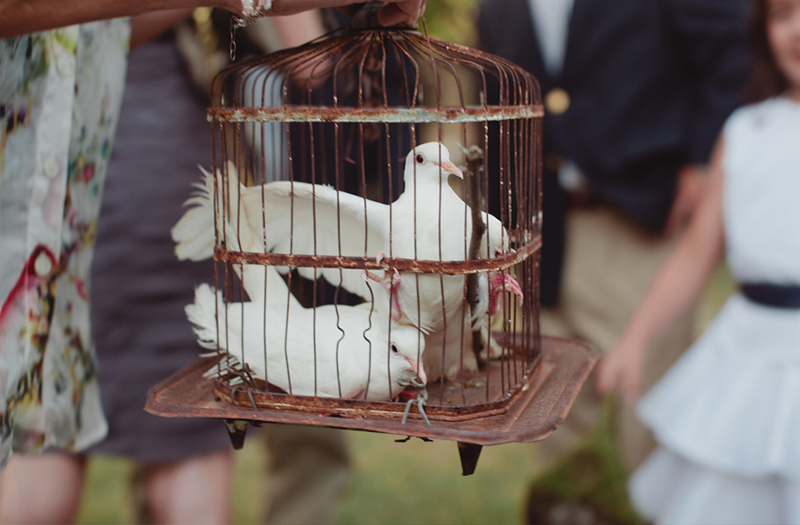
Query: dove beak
point(449, 167)
point(419, 369)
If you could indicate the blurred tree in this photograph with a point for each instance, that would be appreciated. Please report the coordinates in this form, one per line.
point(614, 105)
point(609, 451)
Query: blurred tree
point(452, 20)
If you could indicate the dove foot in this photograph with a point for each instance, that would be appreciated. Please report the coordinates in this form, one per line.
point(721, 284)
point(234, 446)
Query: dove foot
point(405, 395)
point(454, 372)
point(502, 283)
point(390, 281)
point(491, 348)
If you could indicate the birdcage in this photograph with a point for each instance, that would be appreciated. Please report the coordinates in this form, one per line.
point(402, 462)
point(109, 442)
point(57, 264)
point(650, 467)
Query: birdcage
point(363, 279)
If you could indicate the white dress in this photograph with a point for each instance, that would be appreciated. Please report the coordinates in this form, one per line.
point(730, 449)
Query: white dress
point(727, 414)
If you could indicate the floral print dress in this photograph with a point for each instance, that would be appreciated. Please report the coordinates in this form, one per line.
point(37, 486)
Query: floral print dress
point(60, 93)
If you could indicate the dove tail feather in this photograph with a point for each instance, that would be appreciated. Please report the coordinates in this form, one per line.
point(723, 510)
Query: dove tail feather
point(202, 314)
point(194, 232)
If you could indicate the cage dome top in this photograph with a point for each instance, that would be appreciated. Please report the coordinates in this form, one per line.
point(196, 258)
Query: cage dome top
point(369, 74)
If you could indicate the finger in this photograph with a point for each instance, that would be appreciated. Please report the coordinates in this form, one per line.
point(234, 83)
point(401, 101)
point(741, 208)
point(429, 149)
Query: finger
point(397, 13)
point(630, 398)
point(630, 391)
point(349, 10)
point(391, 15)
point(600, 384)
point(412, 7)
point(605, 379)
point(673, 219)
point(604, 389)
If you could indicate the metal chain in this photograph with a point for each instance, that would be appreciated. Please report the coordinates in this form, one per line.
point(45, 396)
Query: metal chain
point(234, 25)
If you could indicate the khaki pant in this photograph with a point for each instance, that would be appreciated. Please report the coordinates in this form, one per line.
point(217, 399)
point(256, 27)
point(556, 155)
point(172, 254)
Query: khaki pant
point(609, 264)
point(309, 470)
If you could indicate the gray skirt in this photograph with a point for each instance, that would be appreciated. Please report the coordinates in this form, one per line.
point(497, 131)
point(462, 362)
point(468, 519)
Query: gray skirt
point(139, 288)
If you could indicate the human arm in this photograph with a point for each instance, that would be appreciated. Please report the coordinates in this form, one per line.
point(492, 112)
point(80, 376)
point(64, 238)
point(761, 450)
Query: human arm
point(298, 29)
point(691, 183)
point(18, 17)
point(394, 12)
point(675, 288)
point(149, 26)
point(291, 30)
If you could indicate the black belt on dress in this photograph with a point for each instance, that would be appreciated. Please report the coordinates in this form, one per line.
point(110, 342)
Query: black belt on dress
point(775, 295)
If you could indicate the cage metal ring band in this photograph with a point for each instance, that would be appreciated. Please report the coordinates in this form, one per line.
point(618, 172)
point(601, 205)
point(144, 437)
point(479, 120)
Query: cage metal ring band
point(370, 263)
point(380, 115)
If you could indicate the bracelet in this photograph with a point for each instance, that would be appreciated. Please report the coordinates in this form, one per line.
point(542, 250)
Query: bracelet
point(251, 9)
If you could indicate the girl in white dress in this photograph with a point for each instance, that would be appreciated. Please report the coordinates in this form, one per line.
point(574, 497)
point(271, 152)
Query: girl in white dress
point(727, 414)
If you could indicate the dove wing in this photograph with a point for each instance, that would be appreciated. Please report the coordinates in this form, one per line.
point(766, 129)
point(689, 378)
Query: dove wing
point(315, 219)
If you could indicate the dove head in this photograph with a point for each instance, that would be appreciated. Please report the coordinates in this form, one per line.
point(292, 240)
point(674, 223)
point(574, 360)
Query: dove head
point(429, 162)
point(405, 356)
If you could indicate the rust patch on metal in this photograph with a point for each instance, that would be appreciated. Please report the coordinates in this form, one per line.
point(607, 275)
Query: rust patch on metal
point(454, 411)
point(494, 264)
point(539, 409)
point(381, 115)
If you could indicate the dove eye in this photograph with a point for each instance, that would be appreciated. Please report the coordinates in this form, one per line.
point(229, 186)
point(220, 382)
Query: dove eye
point(420, 159)
point(394, 349)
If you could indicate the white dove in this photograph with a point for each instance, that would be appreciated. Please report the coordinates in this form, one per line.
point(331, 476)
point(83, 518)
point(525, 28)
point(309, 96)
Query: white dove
point(307, 352)
point(354, 359)
point(428, 221)
point(316, 219)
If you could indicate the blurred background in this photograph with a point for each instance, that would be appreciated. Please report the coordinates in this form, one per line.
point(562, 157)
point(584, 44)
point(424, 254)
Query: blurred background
point(412, 482)
point(408, 483)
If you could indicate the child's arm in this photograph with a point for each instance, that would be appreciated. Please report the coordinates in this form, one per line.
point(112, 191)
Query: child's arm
point(675, 288)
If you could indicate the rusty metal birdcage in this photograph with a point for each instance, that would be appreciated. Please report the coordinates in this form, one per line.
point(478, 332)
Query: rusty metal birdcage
point(310, 158)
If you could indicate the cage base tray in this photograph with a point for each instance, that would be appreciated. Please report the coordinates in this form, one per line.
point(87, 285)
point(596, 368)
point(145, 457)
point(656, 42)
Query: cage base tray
point(543, 404)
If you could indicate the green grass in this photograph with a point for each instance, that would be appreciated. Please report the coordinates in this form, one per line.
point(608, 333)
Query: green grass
point(249, 467)
point(417, 483)
point(590, 479)
point(393, 483)
point(105, 492)
point(405, 483)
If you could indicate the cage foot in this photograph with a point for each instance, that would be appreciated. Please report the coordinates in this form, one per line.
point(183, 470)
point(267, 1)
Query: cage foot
point(237, 428)
point(469, 457)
